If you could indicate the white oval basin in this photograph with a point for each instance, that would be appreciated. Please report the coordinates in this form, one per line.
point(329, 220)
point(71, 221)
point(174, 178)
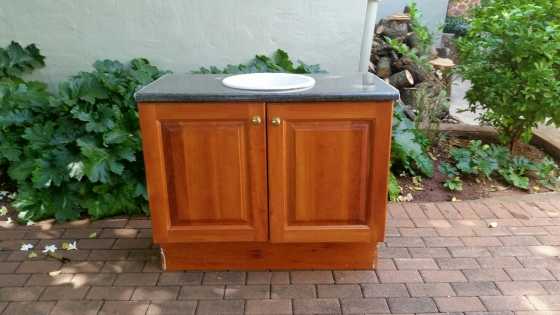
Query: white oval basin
point(269, 81)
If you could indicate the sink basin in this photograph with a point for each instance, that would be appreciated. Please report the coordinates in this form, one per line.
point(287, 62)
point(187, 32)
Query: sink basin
point(269, 81)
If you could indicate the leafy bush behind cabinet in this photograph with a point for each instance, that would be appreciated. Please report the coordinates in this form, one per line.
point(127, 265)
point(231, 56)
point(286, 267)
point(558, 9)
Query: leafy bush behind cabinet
point(78, 150)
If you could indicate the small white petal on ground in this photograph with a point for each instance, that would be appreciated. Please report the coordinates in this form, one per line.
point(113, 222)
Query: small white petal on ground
point(49, 249)
point(26, 247)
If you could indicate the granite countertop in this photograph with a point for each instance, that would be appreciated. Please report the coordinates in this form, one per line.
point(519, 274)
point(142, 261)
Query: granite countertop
point(209, 88)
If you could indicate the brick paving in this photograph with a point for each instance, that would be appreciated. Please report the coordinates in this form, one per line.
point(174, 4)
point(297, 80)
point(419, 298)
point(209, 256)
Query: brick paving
point(437, 258)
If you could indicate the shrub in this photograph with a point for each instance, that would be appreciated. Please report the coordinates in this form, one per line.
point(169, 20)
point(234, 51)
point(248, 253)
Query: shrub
point(279, 62)
point(511, 55)
point(78, 150)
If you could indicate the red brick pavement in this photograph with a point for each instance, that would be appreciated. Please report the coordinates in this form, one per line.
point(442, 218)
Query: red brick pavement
point(437, 258)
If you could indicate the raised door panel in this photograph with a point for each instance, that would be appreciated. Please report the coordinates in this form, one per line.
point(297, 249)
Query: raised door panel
point(328, 167)
point(206, 169)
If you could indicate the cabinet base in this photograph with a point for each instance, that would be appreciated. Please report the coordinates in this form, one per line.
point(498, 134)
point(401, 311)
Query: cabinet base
point(262, 256)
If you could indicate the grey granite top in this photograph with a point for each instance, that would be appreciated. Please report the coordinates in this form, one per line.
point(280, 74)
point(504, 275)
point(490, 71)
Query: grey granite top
point(209, 88)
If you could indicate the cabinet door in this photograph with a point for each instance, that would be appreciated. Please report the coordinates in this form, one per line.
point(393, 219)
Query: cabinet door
point(206, 171)
point(328, 167)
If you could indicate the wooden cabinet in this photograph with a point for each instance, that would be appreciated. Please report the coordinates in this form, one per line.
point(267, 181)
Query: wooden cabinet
point(265, 186)
point(327, 167)
point(206, 172)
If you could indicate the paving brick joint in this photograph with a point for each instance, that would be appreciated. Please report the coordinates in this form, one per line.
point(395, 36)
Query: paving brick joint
point(437, 258)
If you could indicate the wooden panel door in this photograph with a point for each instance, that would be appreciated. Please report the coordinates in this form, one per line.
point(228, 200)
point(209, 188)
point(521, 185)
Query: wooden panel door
point(328, 168)
point(206, 171)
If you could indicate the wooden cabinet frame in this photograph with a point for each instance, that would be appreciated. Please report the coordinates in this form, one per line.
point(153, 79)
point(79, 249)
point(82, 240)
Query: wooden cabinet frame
point(247, 221)
point(226, 192)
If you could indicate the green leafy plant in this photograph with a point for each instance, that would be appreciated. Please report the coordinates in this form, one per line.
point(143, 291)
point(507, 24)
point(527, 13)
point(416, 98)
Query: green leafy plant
point(409, 146)
point(16, 60)
point(279, 62)
point(548, 173)
point(477, 159)
point(511, 55)
point(515, 172)
point(394, 187)
point(452, 182)
point(483, 160)
point(421, 31)
point(78, 150)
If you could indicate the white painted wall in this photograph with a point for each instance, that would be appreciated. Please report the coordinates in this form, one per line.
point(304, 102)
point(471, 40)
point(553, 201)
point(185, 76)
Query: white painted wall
point(182, 35)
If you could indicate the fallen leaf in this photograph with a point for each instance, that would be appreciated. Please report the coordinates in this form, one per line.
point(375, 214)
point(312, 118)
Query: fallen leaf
point(32, 254)
point(93, 235)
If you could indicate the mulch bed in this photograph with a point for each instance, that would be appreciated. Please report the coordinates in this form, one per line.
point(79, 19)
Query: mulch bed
point(432, 190)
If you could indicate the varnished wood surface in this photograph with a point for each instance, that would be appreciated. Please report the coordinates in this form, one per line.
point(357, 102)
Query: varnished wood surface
point(206, 171)
point(328, 170)
point(263, 255)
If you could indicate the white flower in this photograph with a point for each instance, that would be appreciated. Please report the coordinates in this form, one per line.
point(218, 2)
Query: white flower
point(9, 220)
point(49, 249)
point(29, 223)
point(3, 211)
point(26, 247)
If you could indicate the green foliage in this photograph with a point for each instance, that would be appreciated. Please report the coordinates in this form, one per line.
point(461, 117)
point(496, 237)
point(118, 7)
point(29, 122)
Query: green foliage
point(483, 160)
point(457, 25)
point(476, 159)
point(515, 171)
point(422, 60)
point(409, 146)
point(279, 62)
point(453, 183)
point(394, 187)
point(422, 32)
point(511, 55)
point(80, 149)
point(16, 60)
point(547, 173)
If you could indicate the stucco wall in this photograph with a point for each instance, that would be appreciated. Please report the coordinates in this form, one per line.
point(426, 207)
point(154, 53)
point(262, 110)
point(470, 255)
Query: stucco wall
point(181, 35)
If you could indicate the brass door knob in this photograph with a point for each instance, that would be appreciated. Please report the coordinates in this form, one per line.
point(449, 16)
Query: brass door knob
point(276, 121)
point(256, 120)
